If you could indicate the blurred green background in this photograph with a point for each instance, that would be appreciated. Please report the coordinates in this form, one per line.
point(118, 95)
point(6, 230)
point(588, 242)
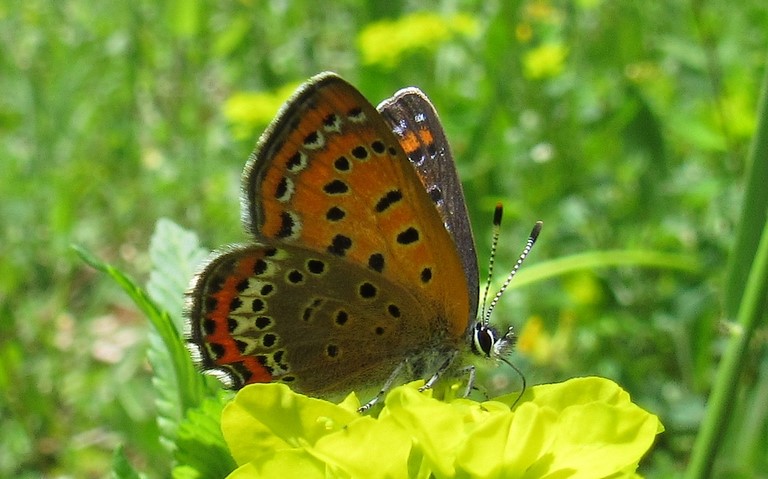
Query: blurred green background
point(622, 125)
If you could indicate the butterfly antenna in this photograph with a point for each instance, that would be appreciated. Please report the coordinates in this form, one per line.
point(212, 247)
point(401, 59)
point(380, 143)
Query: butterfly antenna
point(528, 245)
point(497, 214)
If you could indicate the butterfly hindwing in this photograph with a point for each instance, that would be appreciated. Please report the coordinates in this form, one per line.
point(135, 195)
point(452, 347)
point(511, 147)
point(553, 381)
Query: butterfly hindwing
point(266, 313)
point(415, 123)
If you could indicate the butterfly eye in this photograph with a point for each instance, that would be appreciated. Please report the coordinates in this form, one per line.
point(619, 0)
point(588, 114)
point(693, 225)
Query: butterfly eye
point(483, 340)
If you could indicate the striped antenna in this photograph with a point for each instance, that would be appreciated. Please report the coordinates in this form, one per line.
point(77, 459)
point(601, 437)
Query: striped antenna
point(497, 214)
point(528, 245)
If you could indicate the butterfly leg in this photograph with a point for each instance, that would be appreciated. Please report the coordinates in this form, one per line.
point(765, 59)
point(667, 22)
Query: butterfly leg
point(387, 385)
point(440, 371)
point(470, 372)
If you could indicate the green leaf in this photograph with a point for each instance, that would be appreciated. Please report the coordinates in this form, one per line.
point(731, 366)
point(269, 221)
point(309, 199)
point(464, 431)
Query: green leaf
point(169, 411)
point(175, 253)
point(753, 214)
point(181, 386)
point(746, 290)
point(121, 467)
point(200, 444)
point(593, 260)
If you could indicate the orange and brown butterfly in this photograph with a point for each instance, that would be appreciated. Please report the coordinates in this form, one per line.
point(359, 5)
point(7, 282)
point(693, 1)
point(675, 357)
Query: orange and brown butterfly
point(361, 271)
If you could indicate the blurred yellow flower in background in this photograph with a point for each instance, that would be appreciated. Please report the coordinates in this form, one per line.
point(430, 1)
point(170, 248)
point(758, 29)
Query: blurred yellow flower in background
point(545, 61)
point(386, 42)
point(247, 111)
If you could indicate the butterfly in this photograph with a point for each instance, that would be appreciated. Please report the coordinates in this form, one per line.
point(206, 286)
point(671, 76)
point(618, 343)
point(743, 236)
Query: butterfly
point(361, 271)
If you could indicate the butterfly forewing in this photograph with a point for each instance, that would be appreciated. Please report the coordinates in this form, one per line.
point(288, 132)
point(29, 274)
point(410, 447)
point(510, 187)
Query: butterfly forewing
point(330, 176)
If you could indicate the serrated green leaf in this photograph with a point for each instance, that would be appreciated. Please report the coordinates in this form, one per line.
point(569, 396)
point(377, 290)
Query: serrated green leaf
point(179, 383)
point(169, 412)
point(200, 443)
point(175, 254)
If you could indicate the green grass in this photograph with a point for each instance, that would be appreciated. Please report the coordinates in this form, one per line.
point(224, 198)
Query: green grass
point(626, 127)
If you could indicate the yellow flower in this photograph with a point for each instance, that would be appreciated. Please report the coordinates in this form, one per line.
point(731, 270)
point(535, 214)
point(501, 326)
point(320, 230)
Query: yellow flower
point(545, 61)
point(584, 427)
point(247, 111)
point(387, 41)
point(541, 347)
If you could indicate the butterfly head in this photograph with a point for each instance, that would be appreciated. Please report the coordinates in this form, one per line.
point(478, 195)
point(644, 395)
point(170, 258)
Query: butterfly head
point(486, 341)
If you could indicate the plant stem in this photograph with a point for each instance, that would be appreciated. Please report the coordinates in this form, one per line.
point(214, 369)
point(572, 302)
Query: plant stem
point(752, 303)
